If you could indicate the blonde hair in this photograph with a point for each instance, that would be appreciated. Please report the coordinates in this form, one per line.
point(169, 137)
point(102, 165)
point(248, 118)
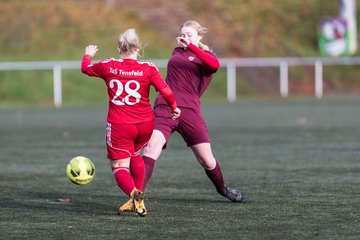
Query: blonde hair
point(129, 42)
point(200, 30)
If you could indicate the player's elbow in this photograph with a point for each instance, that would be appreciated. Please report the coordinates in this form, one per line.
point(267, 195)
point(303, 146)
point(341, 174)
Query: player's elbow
point(214, 66)
point(84, 69)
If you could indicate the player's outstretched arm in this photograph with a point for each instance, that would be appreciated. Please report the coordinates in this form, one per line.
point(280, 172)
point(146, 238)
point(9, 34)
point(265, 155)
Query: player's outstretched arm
point(91, 50)
point(89, 53)
point(165, 92)
point(169, 98)
point(208, 58)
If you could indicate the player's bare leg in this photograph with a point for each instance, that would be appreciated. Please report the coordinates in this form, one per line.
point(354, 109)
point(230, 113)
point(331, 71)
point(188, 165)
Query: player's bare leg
point(155, 145)
point(205, 157)
point(151, 153)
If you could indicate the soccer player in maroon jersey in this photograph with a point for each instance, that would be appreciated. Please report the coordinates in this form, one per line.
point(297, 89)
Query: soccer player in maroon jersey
point(130, 116)
point(189, 72)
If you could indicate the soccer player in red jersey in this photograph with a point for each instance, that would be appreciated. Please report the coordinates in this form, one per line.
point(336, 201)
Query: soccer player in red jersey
point(189, 72)
point(130, 116)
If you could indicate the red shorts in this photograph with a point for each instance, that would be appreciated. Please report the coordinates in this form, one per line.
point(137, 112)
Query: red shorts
point(190, 125)
point(126, 140)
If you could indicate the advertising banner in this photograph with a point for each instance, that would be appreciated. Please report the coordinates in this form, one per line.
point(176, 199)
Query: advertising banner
point(337, 35)
point(332, 36)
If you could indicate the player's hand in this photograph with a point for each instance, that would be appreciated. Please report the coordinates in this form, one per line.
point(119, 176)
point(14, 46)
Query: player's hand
point(176, 113)
point(91, 50)
point(182, 42)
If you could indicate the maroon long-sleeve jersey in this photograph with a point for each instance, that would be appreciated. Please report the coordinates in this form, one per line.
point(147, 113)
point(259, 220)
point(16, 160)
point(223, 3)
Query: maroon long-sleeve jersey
point(189, 72)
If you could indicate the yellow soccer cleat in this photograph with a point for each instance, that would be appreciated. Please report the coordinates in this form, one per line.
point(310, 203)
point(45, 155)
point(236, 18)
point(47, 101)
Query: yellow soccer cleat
point(128, 206)
point(138, 201)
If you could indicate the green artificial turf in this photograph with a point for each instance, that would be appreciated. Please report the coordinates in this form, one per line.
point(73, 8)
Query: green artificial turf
point(297, 160)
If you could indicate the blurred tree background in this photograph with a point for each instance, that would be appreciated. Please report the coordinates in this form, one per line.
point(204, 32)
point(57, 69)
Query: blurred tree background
point(41, 30)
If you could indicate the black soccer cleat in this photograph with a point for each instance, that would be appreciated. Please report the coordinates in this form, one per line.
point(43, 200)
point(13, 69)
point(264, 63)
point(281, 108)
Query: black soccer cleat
point(235, 195)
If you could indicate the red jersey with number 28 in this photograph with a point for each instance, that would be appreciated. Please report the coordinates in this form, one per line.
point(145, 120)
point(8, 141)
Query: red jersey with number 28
point(128, 84)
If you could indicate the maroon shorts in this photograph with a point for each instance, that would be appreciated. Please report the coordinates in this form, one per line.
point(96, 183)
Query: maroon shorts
point(126, 140)
point(191, 125)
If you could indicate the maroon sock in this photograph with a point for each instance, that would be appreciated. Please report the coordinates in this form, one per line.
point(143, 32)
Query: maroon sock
point(216, 178)
point(124, 179)
point(137, 170)
point(149, 168)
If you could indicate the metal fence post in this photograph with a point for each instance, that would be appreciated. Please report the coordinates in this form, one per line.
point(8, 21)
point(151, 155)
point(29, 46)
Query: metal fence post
point(318, 79)
point(284, 79)
point(57, 85)
point(231, 81)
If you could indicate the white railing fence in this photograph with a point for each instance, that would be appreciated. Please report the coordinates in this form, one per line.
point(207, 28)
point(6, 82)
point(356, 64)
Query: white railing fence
point(229, 63)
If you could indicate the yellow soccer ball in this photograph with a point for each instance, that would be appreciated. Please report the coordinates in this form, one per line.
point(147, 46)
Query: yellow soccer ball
point(80, 170)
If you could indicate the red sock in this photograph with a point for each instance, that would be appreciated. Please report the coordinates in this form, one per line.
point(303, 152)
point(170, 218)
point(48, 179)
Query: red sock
point(137, 170)
point(216, 178)
point(149, 168)
point(124, 179)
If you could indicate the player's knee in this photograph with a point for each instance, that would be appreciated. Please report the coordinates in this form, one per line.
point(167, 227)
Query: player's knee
point(152, 151)
point(147, 151)
point(208, 163)
point(154, 146)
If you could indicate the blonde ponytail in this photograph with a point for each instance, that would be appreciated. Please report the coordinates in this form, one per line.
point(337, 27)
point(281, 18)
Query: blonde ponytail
point(129, 41)
point(204, 46)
